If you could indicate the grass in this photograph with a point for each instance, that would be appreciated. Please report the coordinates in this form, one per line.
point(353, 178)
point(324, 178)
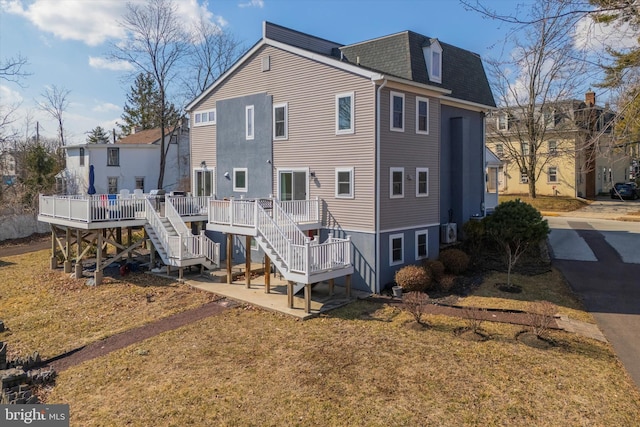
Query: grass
point(364, 364)
point(549, 286)
point(50, 312)
point(548, 203)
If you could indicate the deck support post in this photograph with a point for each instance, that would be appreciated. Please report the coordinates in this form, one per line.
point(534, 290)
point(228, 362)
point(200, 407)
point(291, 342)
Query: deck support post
point(290, 294)
point(307, 298)
point(67, 250)
point(98, 273)
point(267, 274)
point(180, 273)
point(229, 255)
point(78, 271)
point(247, 261)
point(332, 283)
point(348, 285)
point(129, 241)
point(54, 258)
point(152, 253)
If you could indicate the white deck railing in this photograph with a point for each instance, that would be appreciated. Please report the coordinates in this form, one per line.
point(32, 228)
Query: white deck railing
point(92, 208)
point(189, 205)
point(302, 210)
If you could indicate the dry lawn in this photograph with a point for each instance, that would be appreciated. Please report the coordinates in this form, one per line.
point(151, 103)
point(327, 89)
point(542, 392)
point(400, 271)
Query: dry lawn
point(549, 286)
point(548, 203)
point(362, 365)
point(48, 312)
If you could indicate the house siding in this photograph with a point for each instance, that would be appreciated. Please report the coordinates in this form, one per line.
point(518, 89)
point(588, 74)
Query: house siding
point(462, 176)
point(409, 150)
point(312, 142)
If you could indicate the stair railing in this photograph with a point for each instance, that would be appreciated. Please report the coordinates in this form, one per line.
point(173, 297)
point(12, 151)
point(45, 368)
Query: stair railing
point(171, 244)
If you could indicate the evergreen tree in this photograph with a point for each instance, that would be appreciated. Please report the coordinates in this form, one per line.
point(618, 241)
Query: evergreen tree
point(141, 109)
point(98, 136)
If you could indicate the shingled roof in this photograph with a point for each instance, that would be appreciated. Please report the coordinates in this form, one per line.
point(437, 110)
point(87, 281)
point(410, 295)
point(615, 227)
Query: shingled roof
point(149, 136)
point(401, 55)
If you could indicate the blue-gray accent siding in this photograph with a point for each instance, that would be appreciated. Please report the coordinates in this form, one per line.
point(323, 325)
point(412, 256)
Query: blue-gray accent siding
point(387, 271)
point(462, 169)
point(363, 258)
point(235, 151)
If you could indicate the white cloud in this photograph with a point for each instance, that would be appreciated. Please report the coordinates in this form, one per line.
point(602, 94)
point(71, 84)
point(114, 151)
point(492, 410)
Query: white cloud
point(91, 22)
point(596, 38)
point(105, 107)
point(253, 3)
point(114, 65)
point(9, 96)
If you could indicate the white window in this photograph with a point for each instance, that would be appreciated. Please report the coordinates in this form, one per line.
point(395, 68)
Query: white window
point(422, 182)
point(433, 59)
point(553, 148)
point(344, 183)
point(396, 183)
point(112, 185)
point(553, 174)
point(249, 122)
point(204, 117)
point(524, 178)
point(503, 121)
point(422, 115)
point(240, 179)
point(422, 244)
point(254, 244)
point(397, 111)
point(280, 121)
point(525, 148)
point(113, 157)
point(499, 150)
point(344, 113)
point(140, 183)
point(396, 249)
point(81, 156)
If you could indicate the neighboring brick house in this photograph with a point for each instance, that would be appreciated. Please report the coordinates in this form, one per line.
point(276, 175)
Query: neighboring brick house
point(133, 162)
point(388, 134)
point(578, 156)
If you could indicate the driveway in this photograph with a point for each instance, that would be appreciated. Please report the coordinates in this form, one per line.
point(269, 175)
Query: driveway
point(600, 258)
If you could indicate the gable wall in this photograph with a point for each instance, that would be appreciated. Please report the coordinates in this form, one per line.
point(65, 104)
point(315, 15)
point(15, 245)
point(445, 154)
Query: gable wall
point(309, 88)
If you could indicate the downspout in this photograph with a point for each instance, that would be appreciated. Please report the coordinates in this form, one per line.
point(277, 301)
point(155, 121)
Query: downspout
point(378, 126)
point(484, 165)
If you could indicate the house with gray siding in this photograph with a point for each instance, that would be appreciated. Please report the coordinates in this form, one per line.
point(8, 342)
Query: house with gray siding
point(385, 136)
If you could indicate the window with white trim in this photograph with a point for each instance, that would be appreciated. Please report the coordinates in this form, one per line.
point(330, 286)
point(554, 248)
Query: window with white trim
point(553, 148)
point(81, 156)
point(396, 109)
point(503, 121)
point(140, 183)
point(524, 178)
point(525, 148)
point(344, 113)
point(433, 59)
point(396, 249)
point(204, 117)
point(113, 156)
point(552, 174)
point(344, 183)
point(422, 115)
point(280, 121)
point(422, 182)
point(422, 244)
point(112, 185)
point(240, 179)
point(249, 122)
point(396, 183)
point(499, 150)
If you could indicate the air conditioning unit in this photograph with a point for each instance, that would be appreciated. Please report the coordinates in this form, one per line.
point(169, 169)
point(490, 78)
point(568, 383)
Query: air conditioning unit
point(448, 232)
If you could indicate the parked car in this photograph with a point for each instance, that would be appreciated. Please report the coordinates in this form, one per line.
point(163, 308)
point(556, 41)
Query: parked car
point(625, 190)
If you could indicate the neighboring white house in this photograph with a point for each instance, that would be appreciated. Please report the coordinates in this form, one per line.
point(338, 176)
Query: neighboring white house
point(493, 166)
point(131, 163)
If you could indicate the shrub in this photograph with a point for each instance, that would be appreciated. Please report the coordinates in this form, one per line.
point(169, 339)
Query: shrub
point(435, 267)
point(414, 302)
point(540, 316)
point(413, 278)
point(447, 282)
point(455, 261)
point(473, 317)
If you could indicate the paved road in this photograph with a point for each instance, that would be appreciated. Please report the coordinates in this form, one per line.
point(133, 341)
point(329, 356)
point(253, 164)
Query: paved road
point(601, 260)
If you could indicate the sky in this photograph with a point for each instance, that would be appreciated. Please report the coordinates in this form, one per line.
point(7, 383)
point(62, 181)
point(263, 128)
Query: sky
point(66, 42)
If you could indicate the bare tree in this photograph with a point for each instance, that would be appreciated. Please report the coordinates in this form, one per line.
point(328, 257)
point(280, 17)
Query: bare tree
point(12, 69)
point(156, 44)
point(55, 103)
point(213, 52)
point(531, 85)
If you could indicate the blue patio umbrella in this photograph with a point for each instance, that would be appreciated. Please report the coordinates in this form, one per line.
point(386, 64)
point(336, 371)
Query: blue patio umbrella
point(92, 179)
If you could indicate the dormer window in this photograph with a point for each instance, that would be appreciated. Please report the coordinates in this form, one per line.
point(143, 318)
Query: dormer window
point(433, 59)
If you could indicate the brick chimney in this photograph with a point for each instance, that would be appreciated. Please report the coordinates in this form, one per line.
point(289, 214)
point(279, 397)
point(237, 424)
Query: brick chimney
point(590, 98)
